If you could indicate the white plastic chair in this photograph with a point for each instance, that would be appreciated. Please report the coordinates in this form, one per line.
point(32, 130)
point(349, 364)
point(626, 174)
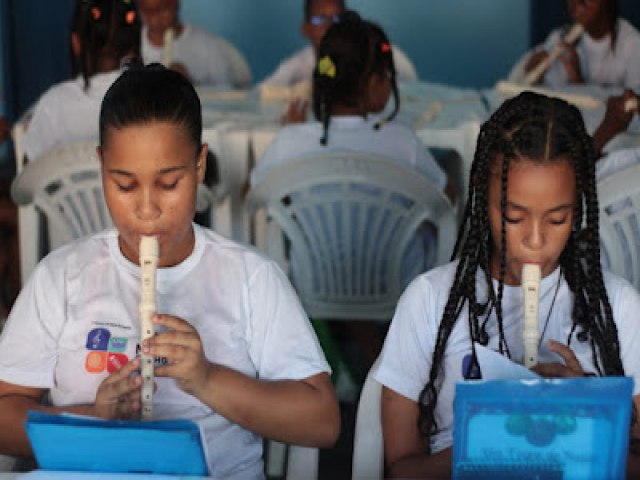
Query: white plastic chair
point(462, 139)
point(349, 219)
point(231, 148)
point(292, 462)
point(65, 186)
point(619, 202)
point(368, 445)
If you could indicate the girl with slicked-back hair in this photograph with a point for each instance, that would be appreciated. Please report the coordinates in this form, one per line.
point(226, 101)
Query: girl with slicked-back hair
point(233, 347)
point(532, 199)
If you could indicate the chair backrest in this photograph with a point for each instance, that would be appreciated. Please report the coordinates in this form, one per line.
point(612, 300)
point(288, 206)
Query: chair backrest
point(368, 444)
point(350, 219)
point(66, 186)
point(240, 71)
point(619, 201)
point(231, 148)
point(291, 462)
point(461, 138)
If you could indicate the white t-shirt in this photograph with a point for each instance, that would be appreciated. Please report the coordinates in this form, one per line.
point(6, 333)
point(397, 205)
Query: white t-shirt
point(67, 113)
point(77, 319)
point(599, 62)
point(300, 65)
point(406, 357)
point(201, 53)
point(616, 161)
point(351, 134)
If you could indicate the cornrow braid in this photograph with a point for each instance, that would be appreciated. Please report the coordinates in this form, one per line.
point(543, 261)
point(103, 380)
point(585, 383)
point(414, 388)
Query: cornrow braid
point(542, 130)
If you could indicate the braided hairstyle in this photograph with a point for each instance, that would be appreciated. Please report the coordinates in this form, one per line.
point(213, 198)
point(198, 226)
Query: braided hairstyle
point(108, 31)
point(543, 130)
point(357, 50)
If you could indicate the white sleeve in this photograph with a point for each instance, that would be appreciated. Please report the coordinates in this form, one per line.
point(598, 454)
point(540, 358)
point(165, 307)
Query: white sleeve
point(38, 139)
point(556, 75)
point(405, 360)
point(29, 341)
point(282, 342)
point(282, 75)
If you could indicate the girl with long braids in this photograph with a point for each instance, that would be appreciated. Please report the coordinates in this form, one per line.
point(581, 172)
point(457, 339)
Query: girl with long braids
point(532, 199)
point(104, 35)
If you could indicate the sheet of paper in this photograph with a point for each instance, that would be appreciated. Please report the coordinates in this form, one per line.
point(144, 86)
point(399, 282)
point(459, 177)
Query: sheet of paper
point(497, 367)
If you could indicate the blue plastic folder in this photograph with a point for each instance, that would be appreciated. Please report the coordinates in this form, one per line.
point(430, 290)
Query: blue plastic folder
point(566, 429)
point(72, 442)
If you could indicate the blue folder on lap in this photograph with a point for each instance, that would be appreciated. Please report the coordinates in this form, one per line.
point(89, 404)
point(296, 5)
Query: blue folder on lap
point(570, 429)
point(72, 442)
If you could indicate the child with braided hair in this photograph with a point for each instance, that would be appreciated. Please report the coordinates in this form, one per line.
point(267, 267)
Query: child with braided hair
point(353, 79)
point(104, 35)
point(532, 192)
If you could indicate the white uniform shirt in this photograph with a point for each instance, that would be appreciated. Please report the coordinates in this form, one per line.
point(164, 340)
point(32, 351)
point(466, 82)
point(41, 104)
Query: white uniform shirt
point(201, 53)
point(352, 134)
point(616, 161)
point(600, 63)
point(300, 65)
point(406, 357)
point(77, 320)
point(66, 113)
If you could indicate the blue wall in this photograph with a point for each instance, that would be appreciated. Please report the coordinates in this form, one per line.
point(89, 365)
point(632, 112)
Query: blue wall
point(467, 43)
point(463, 42)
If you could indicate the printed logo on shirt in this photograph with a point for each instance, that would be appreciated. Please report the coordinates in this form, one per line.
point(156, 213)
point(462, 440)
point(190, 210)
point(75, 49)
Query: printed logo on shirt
point(95, 362)
point(118, 344)
point(115, 361)
point(105, 351)
point(98, 339)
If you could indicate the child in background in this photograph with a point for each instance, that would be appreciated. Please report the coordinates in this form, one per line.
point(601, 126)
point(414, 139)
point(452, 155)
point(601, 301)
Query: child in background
point(319, 15)
point(606, 53)
point(355, 78)
point(238, 352)
point(104, 34)
point(533, 189)
point(198, 55)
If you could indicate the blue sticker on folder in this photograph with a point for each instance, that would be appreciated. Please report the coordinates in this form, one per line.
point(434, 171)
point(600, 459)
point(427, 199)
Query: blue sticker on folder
point(569, 429)
point(77, 443)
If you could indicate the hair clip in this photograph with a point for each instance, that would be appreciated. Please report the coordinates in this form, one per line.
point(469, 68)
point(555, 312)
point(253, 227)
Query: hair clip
point(130, 17)
point(385, 47)
point(95, 13)
point(327, 67)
